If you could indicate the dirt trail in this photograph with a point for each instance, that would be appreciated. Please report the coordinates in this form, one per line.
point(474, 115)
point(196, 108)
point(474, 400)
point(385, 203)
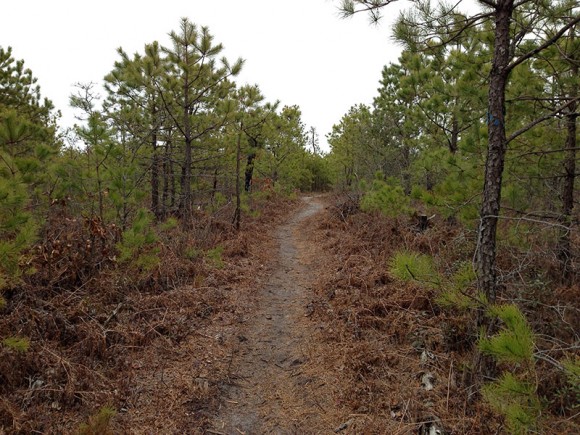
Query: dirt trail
point(276, 386)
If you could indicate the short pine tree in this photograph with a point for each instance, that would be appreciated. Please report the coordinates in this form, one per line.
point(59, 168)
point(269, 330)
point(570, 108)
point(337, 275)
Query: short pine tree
point(387, 197)
point(138, 247)
point(411, 266)
point(514, 393)
point(516, 399)
point(99, 424)
point(19, 344)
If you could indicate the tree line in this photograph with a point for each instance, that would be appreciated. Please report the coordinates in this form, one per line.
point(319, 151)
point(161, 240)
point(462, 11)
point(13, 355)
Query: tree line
point(477, 123)
point(172, 135)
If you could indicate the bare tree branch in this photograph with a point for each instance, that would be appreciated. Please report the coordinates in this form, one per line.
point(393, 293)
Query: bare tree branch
point(490, 3)
point(545, 45)
point(540, 120)
point(536, 221)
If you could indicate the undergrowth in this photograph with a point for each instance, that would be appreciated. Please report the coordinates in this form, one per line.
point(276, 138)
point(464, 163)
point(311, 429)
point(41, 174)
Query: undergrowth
point(403, 303)
point(103, 302)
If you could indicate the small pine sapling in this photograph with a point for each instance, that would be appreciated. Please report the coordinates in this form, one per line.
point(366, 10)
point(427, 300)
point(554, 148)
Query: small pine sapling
point(18, 344)
point(411, 266)
point(99, 424)
point(138, 247)
point(514, 393)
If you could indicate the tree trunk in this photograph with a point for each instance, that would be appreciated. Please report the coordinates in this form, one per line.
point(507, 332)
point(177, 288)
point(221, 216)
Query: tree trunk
point(453, 143)
point(405, 172)
point(564, 250)
point(214, 185)
point(155, 177)
point(249, 172)
point(238, 212)
point(166, 177)
point(186, 195)
point(496, 150)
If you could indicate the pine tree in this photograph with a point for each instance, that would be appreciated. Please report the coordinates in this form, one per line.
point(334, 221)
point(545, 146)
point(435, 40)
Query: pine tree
point(196, 97)
point(134, 105)
point(27, 144)
point(510, 50)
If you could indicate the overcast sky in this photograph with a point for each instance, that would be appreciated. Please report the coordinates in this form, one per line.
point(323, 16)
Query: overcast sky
point(298, 51)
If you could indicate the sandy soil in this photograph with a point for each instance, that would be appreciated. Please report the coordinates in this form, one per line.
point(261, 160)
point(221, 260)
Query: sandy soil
point(277, 385)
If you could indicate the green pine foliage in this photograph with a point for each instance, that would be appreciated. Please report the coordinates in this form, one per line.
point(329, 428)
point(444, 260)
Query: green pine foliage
point(449, 184)
point(27, 146)
point(388, 197)
point(12, 249)
point(169, 224)
point(514, 393)
point(572, 371)
point(420, 268)
point(99, 423)
point(18, 344)
point(411, 266)
point(138, 247)
point(215, 257)
point(515, 342)
point(516, 400)
point(572, 367)
point(453, 293)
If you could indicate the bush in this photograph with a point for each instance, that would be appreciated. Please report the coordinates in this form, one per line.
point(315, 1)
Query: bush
point(386, 197)
point(98, 424)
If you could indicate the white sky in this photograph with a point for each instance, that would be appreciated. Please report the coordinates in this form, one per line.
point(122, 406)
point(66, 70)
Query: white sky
point(298, 51)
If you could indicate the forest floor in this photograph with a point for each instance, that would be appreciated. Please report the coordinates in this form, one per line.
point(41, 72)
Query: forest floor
point(293, 326)
point(258, 368)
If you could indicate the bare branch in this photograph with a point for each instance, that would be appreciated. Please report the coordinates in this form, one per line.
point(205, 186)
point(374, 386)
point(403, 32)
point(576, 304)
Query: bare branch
point(490, 3)
point(545, 45)
point(521, 3)
point(541, 153)
point(540, 120)
point(536, 221)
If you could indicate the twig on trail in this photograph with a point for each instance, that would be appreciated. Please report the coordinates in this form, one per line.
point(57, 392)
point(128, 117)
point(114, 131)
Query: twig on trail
point(449, 384)
point(404, 413)
point(215, 432)
point(202, 335)
point(318, 404)
point(77, 289)
point(113, 314)
point(289, 369)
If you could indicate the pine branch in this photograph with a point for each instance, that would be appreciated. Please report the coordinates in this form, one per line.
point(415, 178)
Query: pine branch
point(545, 45)
point(541, 153)
point(540, 120)
point(521, 3)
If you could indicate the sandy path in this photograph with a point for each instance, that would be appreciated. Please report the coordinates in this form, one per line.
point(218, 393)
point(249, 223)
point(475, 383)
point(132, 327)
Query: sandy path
point(275, 387)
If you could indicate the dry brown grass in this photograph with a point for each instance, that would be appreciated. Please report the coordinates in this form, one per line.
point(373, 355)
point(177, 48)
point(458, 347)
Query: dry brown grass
point(383, 335)
point(158, 347)
point(143, 344)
